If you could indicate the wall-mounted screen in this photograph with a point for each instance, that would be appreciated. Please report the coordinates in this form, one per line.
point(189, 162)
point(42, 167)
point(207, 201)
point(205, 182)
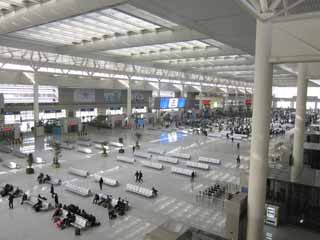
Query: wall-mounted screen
point(168, 103)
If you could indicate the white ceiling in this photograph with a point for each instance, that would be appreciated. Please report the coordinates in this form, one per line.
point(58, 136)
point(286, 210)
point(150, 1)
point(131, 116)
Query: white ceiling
point(209, 42)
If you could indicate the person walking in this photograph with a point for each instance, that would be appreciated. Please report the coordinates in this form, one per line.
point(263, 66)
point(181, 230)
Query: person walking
point(238, 146)
point(52, 191)
point(100, 183)
point(11, 201)
point(193, 174)
point(56, 200)
point(140, 177)
point(238, 161)
point(133, 148)
point(137, 176)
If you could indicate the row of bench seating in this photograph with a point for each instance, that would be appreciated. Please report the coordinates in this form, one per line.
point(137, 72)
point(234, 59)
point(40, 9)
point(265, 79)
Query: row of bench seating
point(116, 144)
point(32, 200)
point(154, 165)
point(198, 165)
point(80, 222)
point(167, 159)
point(139, 190)
point(78, 172)
point(125, 159)
point(11, 165)
point(142, 154)
point(84, 150)
point(180, 155)
point(182, 171)
point(210, 160)
point(107, 181)
point(156, 151)
point(85, 192)
point(84, 144)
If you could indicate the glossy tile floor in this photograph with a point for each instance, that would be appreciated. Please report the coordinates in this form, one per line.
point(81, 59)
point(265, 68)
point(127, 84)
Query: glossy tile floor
point(176, 200)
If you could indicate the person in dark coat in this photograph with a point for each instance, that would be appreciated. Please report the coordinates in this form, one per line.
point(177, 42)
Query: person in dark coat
point(100, 183)
point(11, 201)
point(52, 191)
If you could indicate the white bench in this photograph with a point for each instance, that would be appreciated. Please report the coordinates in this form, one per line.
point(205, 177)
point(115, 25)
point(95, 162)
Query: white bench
point(180, 155)
point(210, 160)
point(240, 135)
point(78, 190)
point(139, 190)
point(236, 137)
point(116, 144)
point(67, 146)
point(142, 154)
point(99, 146)
point(79, 222)
point(154, 165)
point(107, 181)
point(198, 165)
point(84, 150)
point(156, 151)
point(84, 139)
point(32, 200)
point(84, 144)
point(39, 160)
point(78, 172)
point(215, 135)
point(182, 171)
point(125, 159)
point(11, 165)
point(167, 159)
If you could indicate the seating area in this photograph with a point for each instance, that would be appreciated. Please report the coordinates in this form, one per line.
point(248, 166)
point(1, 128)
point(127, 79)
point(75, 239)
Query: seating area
point(185, 156)
point(78, 172)
point(116, 144)
point(209, 160)
point(114, 205)
point(198, 165)
point(142, 154)
point(167, 159)
point(82, 191)
point(39, 160)
point(156, 151)
point(139, 190)
point(106, 181)
point(125, 159)
point(182, 171)
point(11, 165)
point(154, 165)
point(48, 179)
point(39, 203)
point(7, 189)
point(72, 215)
point(84, 144)
point(84, 150)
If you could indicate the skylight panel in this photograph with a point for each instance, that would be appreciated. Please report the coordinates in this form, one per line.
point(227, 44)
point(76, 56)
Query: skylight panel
point(127, 8)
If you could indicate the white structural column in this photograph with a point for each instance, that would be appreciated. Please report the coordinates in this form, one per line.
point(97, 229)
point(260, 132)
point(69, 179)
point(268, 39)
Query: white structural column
point(260, 131)
point(35, 99)
point(298, 141)
point(129, 106)
point(200, 97)
point(182, 90)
